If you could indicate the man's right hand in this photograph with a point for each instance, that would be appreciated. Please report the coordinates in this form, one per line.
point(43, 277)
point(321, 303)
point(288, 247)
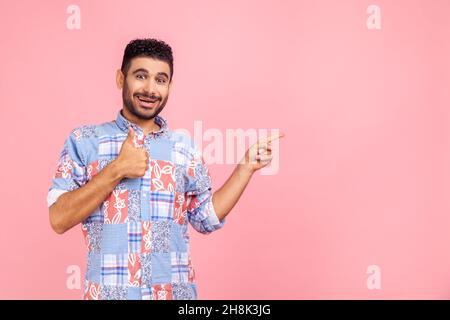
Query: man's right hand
point(132, 161)
point(75, 206)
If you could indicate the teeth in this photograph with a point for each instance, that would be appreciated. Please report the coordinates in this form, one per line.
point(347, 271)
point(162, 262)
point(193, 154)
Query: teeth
point(146, 100)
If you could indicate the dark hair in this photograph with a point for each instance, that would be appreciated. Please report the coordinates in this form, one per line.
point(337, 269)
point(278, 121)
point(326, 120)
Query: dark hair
point(153, 48)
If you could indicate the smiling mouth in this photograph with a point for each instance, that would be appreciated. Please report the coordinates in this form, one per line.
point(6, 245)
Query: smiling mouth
point(146, 102)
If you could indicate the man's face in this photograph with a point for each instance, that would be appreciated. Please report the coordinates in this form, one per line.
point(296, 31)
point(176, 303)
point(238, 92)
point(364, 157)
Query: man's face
point(145, 88)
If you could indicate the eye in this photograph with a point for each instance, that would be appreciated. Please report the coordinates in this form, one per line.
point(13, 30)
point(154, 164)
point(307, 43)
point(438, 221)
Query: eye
point(162, 81)
point(140, 76)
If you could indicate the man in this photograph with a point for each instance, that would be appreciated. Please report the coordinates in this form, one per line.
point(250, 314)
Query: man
point(134, 185)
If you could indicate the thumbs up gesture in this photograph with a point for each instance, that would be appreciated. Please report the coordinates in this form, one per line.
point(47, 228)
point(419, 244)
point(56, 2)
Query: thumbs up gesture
point(133, 159)
point(259, 154)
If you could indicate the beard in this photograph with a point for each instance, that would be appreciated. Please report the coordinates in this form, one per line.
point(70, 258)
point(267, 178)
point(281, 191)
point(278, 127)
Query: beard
point(134, 108)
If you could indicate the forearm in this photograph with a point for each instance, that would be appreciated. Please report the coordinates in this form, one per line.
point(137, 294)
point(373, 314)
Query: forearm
point(73, 207)
point(225, 198)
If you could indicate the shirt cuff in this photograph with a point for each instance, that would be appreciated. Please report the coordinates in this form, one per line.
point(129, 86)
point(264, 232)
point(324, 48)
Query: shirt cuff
point(53, 195)
point(213, 220)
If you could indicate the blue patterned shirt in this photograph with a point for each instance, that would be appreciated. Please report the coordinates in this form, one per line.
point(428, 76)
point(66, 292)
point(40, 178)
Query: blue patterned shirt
point(137, 239)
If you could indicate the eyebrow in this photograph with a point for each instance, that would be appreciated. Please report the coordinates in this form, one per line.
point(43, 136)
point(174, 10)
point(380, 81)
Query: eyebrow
point(146, 71)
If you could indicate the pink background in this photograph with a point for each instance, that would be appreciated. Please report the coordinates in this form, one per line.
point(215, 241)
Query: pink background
point(364, 168)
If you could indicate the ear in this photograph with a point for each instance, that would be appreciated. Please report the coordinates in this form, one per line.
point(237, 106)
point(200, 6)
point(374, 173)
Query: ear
point(120, 78)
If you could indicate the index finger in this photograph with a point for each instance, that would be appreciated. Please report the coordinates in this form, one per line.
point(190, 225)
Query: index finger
point(272, 138)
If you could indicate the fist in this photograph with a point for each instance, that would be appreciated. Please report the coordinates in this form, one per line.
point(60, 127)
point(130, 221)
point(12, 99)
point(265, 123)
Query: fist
point(132, 160)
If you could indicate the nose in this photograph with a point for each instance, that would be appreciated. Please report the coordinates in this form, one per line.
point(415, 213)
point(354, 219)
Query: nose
point(151, 86)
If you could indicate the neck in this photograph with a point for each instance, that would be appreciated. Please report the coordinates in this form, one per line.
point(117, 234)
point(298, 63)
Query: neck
point(147, 126)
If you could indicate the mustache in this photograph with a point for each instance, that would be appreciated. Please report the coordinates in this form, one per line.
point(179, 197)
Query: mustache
point(152, 97)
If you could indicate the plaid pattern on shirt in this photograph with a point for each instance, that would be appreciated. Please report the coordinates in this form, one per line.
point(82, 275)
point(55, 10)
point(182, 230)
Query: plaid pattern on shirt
point(137, 241)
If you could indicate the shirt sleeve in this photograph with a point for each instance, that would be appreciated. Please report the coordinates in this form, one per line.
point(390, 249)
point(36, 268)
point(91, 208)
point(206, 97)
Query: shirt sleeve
point(70, 173)
point(200, 210)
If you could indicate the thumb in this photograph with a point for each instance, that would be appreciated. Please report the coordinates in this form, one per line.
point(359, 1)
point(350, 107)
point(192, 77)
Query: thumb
point(131, 134)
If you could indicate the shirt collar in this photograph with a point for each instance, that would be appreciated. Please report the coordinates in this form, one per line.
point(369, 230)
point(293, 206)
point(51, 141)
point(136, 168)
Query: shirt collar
point(123, 123)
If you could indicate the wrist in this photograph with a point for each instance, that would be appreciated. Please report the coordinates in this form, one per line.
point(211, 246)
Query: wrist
point(116, 170)
point(245, 169)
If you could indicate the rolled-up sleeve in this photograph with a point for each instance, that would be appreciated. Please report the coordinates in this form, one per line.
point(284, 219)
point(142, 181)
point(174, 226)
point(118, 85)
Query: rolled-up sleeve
point(200, 208)
point(70, 173)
